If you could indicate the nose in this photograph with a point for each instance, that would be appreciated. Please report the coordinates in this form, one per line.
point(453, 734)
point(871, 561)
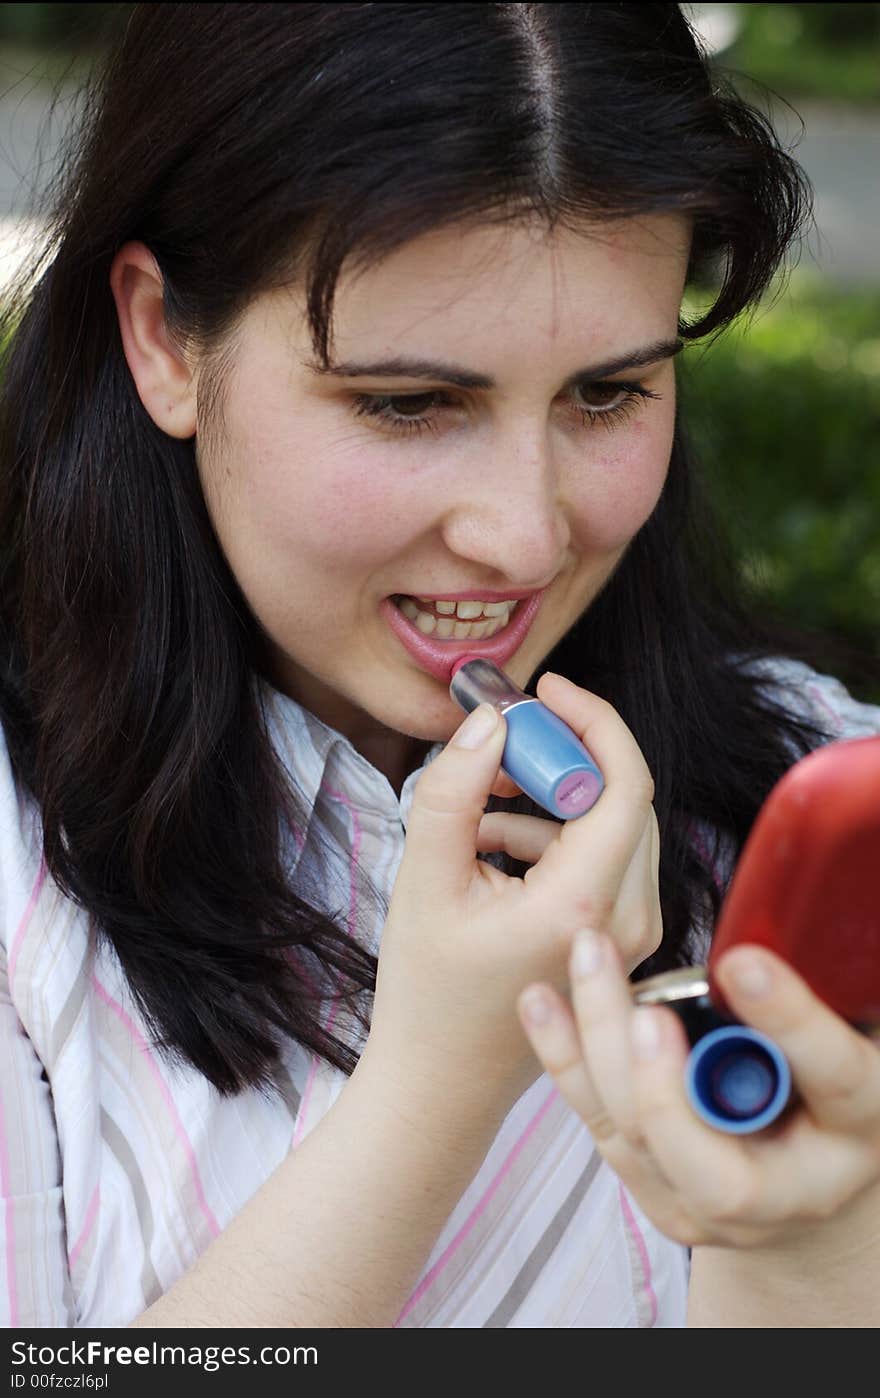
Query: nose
point(510, 515)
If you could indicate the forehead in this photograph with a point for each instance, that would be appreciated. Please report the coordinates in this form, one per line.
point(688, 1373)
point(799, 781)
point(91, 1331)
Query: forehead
point(479, 281)
point(496, 297)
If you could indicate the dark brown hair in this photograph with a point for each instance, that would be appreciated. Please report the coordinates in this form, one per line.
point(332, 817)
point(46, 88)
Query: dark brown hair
point(245, 144)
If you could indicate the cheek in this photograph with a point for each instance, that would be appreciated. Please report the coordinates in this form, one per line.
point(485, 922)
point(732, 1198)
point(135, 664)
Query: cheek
point(358, 509)
point(618, 491)
point(303, 499)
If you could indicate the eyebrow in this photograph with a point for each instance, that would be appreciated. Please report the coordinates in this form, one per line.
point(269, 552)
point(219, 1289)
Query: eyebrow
point(403, 368)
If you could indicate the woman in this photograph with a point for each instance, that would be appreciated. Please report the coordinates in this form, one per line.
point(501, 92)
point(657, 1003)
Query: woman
point(353, 316)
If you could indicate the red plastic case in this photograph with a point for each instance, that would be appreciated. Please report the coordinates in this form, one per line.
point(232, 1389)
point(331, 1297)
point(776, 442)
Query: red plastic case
point(807, 884)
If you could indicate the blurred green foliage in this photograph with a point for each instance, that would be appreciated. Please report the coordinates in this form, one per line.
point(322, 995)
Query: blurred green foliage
point(784, 413)
point(829, 52)
point(69, 26)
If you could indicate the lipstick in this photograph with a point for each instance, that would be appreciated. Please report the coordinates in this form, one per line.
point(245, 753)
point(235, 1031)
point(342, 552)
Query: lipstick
point(541, 754)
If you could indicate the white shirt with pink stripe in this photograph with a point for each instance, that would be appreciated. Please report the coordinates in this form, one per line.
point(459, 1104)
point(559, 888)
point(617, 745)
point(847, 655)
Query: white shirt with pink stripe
point(118, 1168)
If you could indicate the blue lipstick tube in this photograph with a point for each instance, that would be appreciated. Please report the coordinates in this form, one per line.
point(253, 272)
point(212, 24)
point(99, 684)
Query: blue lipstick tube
point(541, 754)
point(736, 1078)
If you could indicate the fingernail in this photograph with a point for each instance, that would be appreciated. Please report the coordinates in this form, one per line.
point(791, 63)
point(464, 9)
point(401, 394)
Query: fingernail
point(587, 956)
point(477, 727)
point(751, 976)
point(645, 1035)
point(536, 1007)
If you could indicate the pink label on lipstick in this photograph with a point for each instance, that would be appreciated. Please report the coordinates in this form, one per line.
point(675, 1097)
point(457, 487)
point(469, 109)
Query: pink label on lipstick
point(577, 793)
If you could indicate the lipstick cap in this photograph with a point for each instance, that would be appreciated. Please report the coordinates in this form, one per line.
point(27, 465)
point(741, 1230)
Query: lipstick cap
point(736, 1079)
point(481, 682)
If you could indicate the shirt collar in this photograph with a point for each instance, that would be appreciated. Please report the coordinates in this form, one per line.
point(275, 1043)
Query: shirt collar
point(313, 753)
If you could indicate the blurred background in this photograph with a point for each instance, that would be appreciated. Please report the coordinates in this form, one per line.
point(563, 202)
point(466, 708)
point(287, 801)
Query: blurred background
point(784, 407)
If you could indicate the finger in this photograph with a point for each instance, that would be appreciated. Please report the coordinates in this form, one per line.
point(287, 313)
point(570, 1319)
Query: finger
point(806, 1171)
point(585, 867)
point(550, 1027)
point(742, 1189)
point(603, 1010)
point(710, 1170)
point(505, 787)
point(835, 1068)
point(449, 799)
point(600, 728)
point(551, 1030)
point(637, 922)
point(523, 837)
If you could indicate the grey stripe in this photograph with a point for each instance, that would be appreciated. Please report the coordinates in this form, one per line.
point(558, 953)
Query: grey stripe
point(68, 1300)
point(120, 1147)
point(328, 832)
point(287, 1089)
point(65, 1021)
point(526, 1277)
point(331, 830)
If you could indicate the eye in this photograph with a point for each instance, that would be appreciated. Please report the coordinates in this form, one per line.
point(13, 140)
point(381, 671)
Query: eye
point(411, 412)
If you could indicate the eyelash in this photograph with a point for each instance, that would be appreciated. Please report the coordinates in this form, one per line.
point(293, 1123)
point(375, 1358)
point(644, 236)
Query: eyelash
point(378, 406)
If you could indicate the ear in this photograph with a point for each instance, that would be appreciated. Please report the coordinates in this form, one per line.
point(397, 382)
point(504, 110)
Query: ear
point(166, 384)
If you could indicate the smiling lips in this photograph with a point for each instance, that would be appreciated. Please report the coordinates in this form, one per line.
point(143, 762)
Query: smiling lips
point(501, 636)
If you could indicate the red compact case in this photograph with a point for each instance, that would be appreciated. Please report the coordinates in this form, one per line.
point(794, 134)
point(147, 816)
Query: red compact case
point(807, 883)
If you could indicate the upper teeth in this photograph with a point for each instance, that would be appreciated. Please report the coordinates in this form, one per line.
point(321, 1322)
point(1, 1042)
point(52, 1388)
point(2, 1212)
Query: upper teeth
point(468, 611)
point(493, 617)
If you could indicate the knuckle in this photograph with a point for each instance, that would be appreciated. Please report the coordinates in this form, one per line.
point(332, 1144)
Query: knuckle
point(642, 940)
point(631, 1132)
point(743, 1237)
point(679, 1225)
point(605, 709)
point(733, 1199)
point(594, 910)
point(642, 782)
point(655, 937)
point(441, 797)
point(603, 1129)
point(844, 1073)
point(822, 1208)
point(644, 790)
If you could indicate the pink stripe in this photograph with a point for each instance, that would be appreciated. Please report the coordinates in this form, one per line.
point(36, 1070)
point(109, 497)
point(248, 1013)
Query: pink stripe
point(5, 1174)
point(476, 1212)
point(91, 1215)
point(23, 925)
point(300, 841)
point(304, 1106)
point(9, 1213)
point(168, 1099)
point(352, 926)
point(636, 1235)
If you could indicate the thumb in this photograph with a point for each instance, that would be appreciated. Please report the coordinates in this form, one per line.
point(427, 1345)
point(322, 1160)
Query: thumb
point(448, 804)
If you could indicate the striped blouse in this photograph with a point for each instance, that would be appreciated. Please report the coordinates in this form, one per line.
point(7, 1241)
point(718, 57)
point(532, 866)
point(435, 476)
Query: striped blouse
point(117, 1168)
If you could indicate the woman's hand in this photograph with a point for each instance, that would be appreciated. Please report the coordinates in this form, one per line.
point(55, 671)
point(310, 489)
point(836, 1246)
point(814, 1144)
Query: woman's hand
point(462, 939)
point(804, 1181)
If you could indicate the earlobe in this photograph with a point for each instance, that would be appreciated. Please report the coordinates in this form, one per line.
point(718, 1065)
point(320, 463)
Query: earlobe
point(165, 383)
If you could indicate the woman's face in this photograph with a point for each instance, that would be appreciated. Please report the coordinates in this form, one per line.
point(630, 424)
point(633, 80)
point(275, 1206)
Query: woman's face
point(325, 513)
